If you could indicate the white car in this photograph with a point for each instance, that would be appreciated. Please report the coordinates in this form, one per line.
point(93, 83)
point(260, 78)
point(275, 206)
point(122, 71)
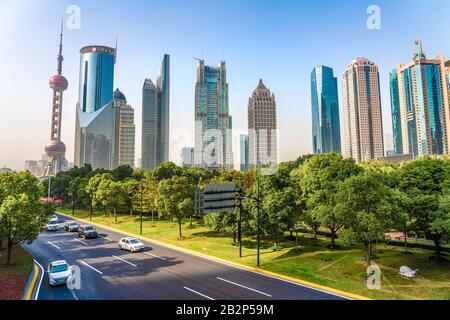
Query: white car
point(52, 225)
point(58, 272)
point(131, 244)
point(54, 217)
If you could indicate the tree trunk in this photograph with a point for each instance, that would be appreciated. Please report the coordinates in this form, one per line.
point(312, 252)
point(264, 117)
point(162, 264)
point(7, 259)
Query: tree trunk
point(179, 228)
point(1, 244)
point(115, 215)
point(369, 252)
point(406, 242)
point(73, 206)
point(8, 259)
point(333, 238)
point(437, 245)
point(315, 232)
point(190, 222)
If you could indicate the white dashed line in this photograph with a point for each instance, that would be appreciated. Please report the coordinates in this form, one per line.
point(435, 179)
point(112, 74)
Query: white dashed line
point(80, 241)
point(155, 256)
point(240, 285)
point(54, 245)
point(91, 267)
point(131, 264)
point(200, 294)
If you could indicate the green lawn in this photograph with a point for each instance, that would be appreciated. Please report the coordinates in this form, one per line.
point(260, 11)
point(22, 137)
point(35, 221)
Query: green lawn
point(341, 269)
point(13, 277)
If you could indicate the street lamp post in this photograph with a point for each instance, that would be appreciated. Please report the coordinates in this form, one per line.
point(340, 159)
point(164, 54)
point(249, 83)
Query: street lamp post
point(140, 215)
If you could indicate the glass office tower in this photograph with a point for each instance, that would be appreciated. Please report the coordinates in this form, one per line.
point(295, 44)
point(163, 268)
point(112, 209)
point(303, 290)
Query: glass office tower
point(423, 104)
point(326, 128)
point(395, 108)
point(244, 152)
point(149, 148)
point(163, 86)
point(213, 145)
point(97, 119)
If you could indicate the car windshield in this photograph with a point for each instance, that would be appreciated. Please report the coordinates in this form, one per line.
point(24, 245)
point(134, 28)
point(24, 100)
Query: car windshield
point(59, 268)
point(89, 228)
point(53, 222)
point(73, 224)
point(134, 241)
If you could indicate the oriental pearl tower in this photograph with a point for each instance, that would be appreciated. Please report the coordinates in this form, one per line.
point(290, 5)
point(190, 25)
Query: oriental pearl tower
point(56, 149)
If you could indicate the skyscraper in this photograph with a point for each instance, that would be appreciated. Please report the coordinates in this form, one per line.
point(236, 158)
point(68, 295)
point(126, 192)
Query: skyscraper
point(213, 145)
point(163, 86)
point(56, 149)
point(126, 131)
point(244, 152)
point(362, 111)
point(325, 111)
point(395, 109)
point(262, 127)
point(187, 157)
point(97, 118)
point(423, 107)
point(155, 118)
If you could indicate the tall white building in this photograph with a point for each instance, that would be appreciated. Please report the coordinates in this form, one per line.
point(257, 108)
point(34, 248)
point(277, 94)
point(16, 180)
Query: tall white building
point(126, 131)
point(362, 111)
point(262, 127)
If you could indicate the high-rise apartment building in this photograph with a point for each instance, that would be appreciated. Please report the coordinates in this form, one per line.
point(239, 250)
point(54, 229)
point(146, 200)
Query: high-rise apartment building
point(262, 127)
point(362, 111)
point(326, 129)
point(213, 123)
point(422, 110)
point(97, 118)
point(126, 131)
point(395, 109)
point(155, 118)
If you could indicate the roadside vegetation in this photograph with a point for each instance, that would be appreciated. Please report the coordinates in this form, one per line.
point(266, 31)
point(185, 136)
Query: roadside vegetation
point(354, 205)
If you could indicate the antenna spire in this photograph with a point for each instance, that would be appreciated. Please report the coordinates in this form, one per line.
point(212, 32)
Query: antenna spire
point(60, 56)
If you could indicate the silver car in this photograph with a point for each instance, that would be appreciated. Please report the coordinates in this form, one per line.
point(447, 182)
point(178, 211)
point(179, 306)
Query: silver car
point(131, 244)
point(58, 272)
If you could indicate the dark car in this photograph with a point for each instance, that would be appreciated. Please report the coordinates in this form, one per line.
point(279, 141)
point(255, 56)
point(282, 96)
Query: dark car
point(87, 232)
point(71, 226)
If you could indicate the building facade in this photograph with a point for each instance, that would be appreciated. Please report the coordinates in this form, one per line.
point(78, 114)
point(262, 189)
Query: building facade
point(213, 123)
point(395, 110)
point(187, 157)
point(362, 111)
point(126, 131)
point(155, 118)
point(326, 130)
point(244, 152)
point(97, 117)
point(262, 127)
point(423, 105)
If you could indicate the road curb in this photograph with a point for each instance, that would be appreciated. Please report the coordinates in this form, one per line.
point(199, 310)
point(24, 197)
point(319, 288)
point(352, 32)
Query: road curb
point(304, 283)
point(33, 283)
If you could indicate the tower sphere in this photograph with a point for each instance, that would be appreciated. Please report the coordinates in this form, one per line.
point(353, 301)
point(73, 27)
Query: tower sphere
point(58, 83)
point(55, 148)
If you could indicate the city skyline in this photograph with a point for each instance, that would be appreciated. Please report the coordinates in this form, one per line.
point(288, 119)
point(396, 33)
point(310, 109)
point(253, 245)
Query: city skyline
point(294, 137)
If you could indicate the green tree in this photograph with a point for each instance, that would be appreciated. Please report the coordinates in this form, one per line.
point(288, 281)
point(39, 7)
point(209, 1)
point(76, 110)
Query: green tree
point(369, 208)
point(425, 181)
point(74, 191)
point(167, 170)
point(145, 195)
point(319, 179)
point(172, 196)
point(122, 173)
point(280, 213)
point(92, 188)
point(21, 214)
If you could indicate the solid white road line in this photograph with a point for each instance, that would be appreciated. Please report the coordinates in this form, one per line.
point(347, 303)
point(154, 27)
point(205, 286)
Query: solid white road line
point(242, 286)
point(80, 241)
point(131, 264)
point(40, 281)
point(155, 256)
point(87, 265)
point(200, 294)
point(53, 245)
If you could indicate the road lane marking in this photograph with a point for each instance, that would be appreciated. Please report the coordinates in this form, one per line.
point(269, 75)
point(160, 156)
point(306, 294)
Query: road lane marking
point(40, 281)
point(242, 286)
point(131, 264)
point(155, 256)
point(106, 238)
point(87, 265)
point(80, 241)
point(200, 294)
point(48, 242)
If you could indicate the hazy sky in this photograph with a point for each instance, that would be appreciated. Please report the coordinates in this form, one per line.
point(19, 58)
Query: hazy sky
point(279, 41)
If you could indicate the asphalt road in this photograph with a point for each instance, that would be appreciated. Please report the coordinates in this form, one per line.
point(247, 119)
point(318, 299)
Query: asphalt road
point(158, 273)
